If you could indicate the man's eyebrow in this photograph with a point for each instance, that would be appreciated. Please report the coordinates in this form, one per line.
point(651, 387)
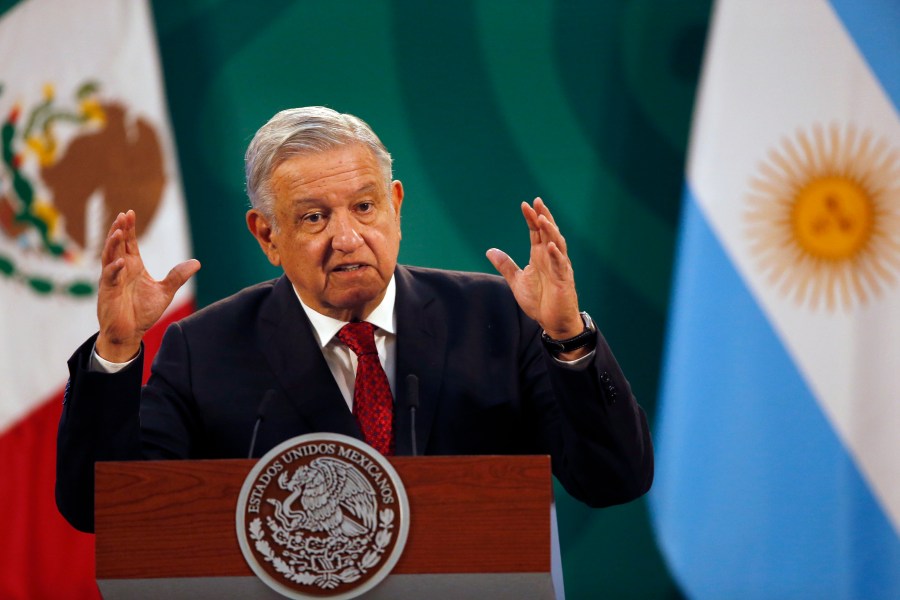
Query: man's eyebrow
point(366, 189)
point(313, 200)
point(304, 202)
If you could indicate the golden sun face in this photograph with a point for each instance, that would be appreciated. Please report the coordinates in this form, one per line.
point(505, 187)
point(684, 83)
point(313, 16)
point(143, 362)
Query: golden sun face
point(823, 217)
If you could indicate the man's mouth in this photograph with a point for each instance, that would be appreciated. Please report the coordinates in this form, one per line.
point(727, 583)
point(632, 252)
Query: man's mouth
point(354, 267)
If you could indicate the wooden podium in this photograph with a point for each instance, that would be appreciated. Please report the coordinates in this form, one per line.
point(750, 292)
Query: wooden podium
point(479, 527)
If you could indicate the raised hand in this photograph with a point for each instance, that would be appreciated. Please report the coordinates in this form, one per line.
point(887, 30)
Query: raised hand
point(129, 300)
point(545, 288)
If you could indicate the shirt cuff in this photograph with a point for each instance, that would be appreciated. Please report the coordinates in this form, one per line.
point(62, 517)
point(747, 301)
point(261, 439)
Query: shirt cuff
point(579, 364)
point(101, 365)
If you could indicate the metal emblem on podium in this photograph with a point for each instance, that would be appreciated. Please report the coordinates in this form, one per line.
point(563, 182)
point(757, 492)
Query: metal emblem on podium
point(322, 516)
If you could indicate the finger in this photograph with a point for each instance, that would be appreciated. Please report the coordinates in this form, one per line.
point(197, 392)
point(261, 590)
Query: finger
point(505, 265)
point(115, 225)
point(562, 266)
point(179, 275)
point(130, 231)
point(531, 215)
point(112, 248)
point(531, 219)
point(109, 275)
point(551, 233)
point(540, 207)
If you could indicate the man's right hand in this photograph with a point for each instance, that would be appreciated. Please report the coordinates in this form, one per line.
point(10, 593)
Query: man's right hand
point(129, 301)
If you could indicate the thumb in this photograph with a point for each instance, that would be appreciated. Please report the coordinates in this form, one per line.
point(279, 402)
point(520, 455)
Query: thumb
point(505, 265)
point(179, 275)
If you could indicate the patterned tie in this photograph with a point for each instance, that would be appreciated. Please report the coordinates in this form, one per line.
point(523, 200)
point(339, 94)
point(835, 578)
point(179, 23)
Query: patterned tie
point(373, 403)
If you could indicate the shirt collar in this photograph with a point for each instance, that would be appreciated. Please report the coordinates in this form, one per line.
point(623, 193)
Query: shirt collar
point(325, 328)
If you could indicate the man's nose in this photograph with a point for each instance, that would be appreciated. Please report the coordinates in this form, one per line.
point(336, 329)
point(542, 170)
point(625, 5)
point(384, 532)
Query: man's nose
point(345, 237)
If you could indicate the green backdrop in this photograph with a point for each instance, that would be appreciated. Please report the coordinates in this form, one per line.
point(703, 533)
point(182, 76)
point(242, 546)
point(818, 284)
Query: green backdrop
point(483, 104)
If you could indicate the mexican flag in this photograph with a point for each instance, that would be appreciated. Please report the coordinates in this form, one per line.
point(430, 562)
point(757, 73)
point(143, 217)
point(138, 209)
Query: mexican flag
point(85, 135)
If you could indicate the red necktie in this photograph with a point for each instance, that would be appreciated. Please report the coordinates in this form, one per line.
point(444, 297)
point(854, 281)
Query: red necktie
point(373, 403)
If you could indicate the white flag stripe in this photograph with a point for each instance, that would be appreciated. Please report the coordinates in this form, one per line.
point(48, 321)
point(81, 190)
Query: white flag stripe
point(66, 45)
point(757, 92)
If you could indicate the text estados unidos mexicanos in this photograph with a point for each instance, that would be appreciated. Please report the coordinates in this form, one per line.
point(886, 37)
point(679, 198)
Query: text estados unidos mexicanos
point(374, 470)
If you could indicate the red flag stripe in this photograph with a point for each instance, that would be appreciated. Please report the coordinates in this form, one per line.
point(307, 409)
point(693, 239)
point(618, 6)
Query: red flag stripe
point(41, 555)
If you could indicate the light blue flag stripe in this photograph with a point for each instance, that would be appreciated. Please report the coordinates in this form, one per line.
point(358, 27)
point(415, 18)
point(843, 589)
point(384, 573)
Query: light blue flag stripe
point(874, 26)
point(755, 496)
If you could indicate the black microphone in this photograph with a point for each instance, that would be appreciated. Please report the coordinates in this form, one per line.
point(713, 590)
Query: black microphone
point(412, 401)
point(268, 397)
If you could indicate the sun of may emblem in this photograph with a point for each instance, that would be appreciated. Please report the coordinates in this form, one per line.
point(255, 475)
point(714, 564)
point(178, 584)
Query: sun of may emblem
point(823, 216)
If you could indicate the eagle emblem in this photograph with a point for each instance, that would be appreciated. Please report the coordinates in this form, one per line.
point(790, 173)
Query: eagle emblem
point(333, 498)
point(67, 168)
point(320, 520)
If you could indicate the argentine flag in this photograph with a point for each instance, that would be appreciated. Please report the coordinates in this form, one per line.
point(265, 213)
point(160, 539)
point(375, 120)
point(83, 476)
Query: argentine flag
point(779, 433)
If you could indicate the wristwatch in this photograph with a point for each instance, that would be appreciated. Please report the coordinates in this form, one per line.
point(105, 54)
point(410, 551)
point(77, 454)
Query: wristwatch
point(585, 338)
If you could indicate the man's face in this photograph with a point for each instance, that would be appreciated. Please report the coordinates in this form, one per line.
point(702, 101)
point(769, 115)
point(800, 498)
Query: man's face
point(338, 233)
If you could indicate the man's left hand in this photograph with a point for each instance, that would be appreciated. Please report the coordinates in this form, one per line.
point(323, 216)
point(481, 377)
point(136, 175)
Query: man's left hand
point(545, 288)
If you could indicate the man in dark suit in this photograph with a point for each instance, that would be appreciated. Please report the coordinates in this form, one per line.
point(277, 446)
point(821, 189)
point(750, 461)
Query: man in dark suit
point(502, 367)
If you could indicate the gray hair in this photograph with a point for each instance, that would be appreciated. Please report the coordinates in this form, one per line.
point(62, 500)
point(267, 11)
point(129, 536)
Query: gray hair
point(298, 131)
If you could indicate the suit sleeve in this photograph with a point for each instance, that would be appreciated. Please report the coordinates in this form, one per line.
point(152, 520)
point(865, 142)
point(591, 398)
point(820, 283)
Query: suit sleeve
point(100, 421)
point(590, 421)
point(109, 417)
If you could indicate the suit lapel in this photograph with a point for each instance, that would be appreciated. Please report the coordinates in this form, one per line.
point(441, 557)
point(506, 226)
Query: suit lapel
point(288, 343)
point(421, 348)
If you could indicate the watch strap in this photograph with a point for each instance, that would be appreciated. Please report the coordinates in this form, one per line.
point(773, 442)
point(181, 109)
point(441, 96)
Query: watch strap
point(585, 338)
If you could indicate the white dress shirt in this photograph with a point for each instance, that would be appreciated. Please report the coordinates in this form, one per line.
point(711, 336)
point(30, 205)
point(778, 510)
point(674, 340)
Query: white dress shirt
point(341, 359)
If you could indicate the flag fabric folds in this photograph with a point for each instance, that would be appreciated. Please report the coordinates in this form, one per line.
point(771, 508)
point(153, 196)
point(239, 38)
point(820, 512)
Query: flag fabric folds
point(779, 432)
point(85, 135)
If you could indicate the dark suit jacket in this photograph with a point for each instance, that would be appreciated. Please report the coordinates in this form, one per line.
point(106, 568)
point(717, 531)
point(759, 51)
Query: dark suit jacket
point(487, 386)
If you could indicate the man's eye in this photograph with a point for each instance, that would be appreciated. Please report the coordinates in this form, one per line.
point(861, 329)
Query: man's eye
point(313, 218)
point(365, 206)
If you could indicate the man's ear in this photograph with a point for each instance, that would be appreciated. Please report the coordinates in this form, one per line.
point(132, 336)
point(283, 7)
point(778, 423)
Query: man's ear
point(397, 199)
point(261, 229)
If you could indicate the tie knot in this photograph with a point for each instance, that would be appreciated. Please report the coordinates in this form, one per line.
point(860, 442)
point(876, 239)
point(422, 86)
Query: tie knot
point(359, 337)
